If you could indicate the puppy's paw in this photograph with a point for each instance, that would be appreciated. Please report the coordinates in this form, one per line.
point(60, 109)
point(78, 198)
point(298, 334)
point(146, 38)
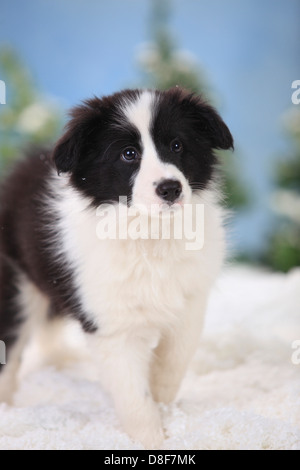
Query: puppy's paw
point(6, 395)
point(146, 428)
point(151, 439)
point(164, 394)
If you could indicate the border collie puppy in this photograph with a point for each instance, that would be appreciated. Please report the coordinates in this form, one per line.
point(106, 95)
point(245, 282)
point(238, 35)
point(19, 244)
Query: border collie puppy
point(140, 299)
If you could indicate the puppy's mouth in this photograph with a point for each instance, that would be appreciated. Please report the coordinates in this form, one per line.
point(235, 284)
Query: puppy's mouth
point(174, 206)
point(159, 208)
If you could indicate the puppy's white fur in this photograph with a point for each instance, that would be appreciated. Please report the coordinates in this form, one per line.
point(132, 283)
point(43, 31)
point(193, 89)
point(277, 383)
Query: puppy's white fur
point(146, 297)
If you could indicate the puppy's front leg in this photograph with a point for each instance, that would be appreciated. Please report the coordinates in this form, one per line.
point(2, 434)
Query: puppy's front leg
point(124, 372)
point(174, 352)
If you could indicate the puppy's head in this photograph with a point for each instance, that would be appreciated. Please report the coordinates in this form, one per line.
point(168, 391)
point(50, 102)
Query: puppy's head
point(153, 147)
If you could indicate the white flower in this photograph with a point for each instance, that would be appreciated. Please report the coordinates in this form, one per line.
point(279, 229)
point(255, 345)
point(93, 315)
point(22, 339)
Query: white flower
point(34, 118)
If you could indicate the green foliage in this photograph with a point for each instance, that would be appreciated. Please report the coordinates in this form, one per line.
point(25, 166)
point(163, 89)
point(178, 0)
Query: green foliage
point(283, 251)
point(288, 175)
point(163, 65)
point(27, 117)
point(236, 195)
point(288, 170)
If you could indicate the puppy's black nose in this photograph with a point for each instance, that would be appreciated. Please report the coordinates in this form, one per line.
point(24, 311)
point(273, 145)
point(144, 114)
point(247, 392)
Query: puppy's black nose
point(169, 190)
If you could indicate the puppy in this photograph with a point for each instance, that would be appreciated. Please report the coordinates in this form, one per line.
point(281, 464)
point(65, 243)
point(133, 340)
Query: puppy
point(132, 160)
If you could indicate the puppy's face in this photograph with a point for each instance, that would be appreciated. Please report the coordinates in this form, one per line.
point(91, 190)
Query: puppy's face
point(153, 147)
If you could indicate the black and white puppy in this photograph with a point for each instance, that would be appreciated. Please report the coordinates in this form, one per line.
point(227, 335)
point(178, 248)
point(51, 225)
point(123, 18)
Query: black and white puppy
point(141, 299)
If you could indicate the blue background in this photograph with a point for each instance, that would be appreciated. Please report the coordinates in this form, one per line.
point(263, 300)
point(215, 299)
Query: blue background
point(250, 50)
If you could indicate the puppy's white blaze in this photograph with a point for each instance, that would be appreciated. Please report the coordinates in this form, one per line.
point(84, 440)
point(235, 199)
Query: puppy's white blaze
point(139, 113)
point(152, 169)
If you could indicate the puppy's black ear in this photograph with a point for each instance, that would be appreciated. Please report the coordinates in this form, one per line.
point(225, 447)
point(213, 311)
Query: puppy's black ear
point(215, 128)
point(208, 122)
point(73, 145)
point(66, 152)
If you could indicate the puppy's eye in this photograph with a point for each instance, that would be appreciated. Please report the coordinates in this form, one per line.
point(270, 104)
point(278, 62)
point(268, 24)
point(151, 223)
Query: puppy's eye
point(176, 146)
point(130, 154)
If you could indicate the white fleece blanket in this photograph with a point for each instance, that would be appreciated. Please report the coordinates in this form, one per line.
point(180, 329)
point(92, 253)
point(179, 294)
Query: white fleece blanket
point(242, 390)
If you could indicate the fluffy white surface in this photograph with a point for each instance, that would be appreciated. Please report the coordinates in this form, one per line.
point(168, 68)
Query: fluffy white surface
point(242, 390)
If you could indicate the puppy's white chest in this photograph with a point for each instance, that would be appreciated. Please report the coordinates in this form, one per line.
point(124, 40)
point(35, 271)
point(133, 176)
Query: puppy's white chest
point(128, 283)
point(125, 284)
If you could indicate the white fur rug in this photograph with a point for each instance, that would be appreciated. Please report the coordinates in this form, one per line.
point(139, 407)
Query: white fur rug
point(242, 390)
